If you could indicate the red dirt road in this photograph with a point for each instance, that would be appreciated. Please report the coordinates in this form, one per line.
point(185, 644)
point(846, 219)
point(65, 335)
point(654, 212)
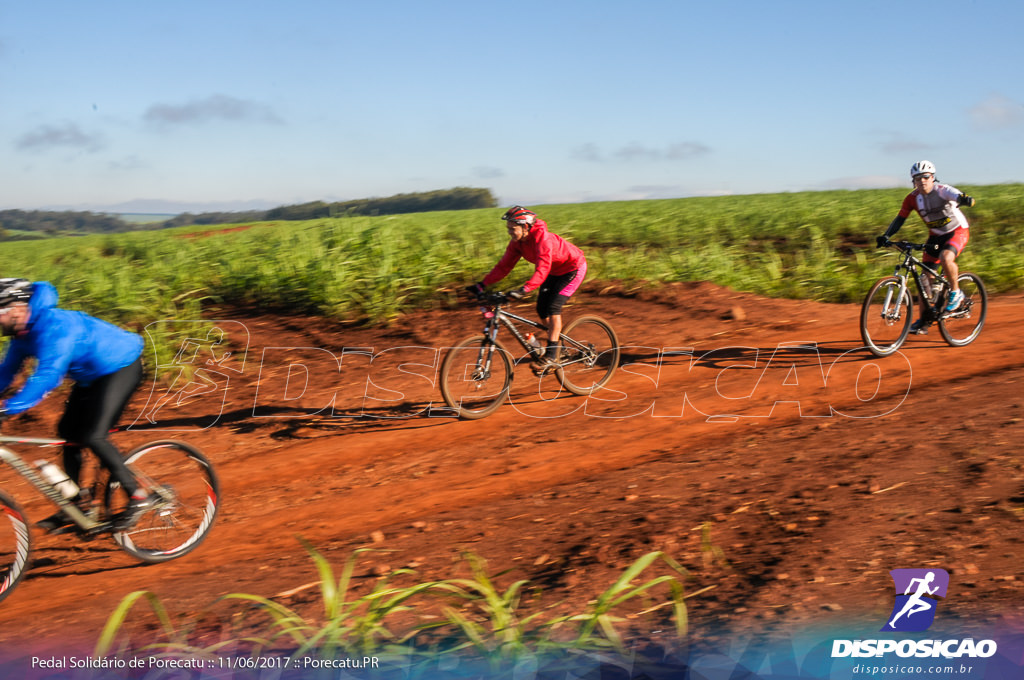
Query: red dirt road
point(816, 468)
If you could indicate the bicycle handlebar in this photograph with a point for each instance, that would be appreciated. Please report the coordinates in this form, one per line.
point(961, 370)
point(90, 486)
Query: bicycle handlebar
point(906, 245)
point(495, 298)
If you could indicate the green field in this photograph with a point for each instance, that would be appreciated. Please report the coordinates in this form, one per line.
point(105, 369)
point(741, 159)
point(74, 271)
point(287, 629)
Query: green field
point(812, 245)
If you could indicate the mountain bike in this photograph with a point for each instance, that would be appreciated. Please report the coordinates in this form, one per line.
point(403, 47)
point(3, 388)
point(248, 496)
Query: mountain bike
point(888, 309)
point(476, 374)
point(178, 472)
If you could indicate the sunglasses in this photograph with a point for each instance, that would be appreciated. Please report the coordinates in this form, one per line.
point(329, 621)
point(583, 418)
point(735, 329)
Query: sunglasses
point(923, 177)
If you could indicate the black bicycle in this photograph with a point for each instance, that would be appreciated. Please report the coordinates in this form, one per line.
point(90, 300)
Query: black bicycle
point(476, 374)
point(177, 472)
point(888, 309)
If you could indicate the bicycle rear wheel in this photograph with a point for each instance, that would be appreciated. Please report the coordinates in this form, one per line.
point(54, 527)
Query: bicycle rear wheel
point(961, 326)
point(590, 355)
point(475, 377)
point(185, 479)
point(885, 317)
point(15, 544)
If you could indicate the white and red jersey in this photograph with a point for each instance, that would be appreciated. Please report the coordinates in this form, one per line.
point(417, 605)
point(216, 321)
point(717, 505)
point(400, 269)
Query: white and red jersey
point(937, 208)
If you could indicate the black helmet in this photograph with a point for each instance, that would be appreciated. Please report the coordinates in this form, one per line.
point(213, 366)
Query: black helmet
point(14, 290)
point(520, 215)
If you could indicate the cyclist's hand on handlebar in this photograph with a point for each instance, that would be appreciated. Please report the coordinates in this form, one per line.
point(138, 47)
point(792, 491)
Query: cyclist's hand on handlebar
point(883, 241)
point(516, 293)
point(476, 290)
point(965, 200)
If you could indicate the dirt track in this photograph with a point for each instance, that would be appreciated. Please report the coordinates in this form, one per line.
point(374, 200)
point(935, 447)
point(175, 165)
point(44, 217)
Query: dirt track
point(811, 500)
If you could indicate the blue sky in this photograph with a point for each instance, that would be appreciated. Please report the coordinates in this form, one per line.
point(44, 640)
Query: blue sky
point(224, 105)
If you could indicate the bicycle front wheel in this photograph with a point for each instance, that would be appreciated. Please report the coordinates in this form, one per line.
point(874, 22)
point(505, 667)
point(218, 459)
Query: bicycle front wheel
point(885, 317)
point(185, 479)
point(590, 355)
point(475, 377)
point(961, 326)
point(15, 543)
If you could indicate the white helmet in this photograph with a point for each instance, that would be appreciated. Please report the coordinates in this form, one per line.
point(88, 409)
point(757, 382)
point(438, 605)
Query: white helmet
point(922, 167)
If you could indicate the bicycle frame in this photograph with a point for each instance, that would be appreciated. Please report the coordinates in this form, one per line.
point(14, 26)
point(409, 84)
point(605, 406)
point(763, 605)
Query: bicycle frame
point(497, 317)
point(912, 266)
point(87, 524)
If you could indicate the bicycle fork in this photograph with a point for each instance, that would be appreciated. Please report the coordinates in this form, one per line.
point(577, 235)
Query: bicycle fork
point(483, 358)
point(891, 307)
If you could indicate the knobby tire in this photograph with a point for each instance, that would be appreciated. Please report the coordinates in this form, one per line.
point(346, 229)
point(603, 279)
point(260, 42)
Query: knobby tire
point(469, 388)
point(961, 326)
point(885, 333)
point(15, 545)
point(177, 526)
point(584, 371)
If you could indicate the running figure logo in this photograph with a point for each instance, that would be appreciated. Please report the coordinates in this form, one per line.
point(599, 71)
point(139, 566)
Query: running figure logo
point(916, 593)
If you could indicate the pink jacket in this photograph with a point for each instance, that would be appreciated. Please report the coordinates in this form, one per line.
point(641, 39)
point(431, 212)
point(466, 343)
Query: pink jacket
point(551, 254)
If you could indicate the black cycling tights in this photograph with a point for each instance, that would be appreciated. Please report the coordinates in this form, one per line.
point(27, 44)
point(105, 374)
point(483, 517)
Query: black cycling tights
point(92, 411)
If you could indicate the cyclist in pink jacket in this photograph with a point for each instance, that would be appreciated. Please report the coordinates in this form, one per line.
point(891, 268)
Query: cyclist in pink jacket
point(560, 268)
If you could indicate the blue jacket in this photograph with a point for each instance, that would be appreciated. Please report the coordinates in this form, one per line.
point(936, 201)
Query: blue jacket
point(64, 343)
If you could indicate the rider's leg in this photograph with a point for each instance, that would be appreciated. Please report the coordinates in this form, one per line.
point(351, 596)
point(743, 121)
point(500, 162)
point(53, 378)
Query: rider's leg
point(554, 324)
point(551, 312)
point(950, 246)
point(950, 267)
point(94, 410)
point(73, 462)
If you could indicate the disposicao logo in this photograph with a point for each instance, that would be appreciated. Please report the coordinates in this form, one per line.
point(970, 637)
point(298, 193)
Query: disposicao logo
point(916, 593)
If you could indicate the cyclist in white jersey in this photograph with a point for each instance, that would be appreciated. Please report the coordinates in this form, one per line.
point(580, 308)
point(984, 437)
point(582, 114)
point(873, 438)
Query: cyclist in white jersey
point(948, 232)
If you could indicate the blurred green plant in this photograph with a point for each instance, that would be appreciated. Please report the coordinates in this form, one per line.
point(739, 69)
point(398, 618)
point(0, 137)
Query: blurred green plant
point(477, 619)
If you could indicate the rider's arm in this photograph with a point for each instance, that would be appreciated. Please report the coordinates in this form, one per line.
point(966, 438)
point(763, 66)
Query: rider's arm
point(908, 206)
point(894, 226)
point(964, 200)
point(10, 365)
point(505, 264)
point(52, 363)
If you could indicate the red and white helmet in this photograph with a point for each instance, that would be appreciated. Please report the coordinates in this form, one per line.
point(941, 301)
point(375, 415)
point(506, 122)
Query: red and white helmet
point(922, 168)
point(517, 214)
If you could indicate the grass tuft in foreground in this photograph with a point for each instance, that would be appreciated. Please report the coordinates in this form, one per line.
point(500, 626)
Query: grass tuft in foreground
point(404, 627)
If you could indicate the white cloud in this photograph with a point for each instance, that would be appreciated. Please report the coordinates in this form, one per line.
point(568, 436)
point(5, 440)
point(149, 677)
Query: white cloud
point(636, 152)
point(904, 146)
point(214, 107)
point(64, 135)
point(997, 112)
point(487, 172)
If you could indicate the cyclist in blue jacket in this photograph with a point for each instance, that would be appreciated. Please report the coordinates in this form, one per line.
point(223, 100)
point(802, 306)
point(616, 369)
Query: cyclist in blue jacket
point(103, 360)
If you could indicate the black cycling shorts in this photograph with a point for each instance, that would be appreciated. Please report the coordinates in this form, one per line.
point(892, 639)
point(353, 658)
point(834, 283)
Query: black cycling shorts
point(550, 299)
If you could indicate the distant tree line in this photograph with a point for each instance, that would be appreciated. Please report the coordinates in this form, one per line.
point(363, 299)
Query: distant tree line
point(15, 223)
point(459, 198)
point(43, 223)
point(186, 219)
